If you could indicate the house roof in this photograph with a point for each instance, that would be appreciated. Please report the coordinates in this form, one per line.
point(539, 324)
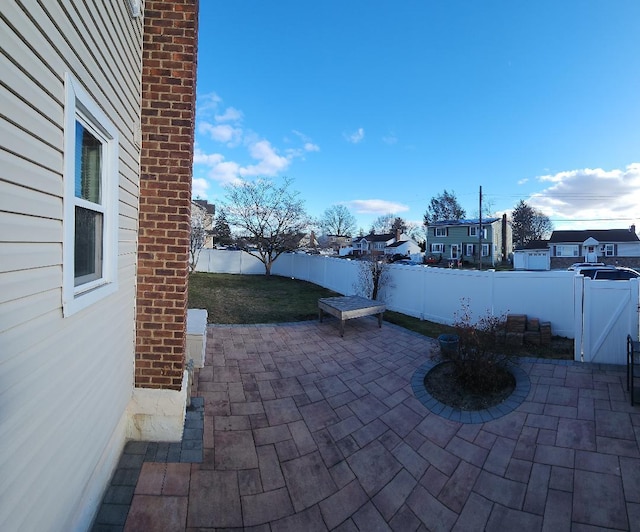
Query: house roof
point(474, 221)
point(601, 235)
point(397, 244)
point(378, 238)
point(209, 207)
point(536, 244)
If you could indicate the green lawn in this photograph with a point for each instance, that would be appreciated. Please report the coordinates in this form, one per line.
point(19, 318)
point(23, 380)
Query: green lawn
point(232, 299)
point(238, 299)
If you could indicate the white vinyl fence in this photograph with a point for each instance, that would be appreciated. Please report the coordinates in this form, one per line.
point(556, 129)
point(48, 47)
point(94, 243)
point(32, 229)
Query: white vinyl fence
point(436, 294)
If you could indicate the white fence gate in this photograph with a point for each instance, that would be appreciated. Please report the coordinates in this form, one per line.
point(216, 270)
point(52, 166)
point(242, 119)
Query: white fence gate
point(606, 311)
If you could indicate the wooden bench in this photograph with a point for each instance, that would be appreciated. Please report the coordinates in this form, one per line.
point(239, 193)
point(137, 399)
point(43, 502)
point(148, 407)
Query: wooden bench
point(349, 307)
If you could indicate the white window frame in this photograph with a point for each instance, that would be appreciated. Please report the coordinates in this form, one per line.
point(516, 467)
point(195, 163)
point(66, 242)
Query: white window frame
point(437, 248)
point(485, 250)
point(79, 106)
point(609, 250)
point(473, 231)
point(440, 232)
point(574, 248)
point(468, 250)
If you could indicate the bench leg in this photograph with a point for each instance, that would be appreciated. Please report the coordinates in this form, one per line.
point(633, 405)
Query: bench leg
point(380, 320)
point(320, 314)
point(342, 328)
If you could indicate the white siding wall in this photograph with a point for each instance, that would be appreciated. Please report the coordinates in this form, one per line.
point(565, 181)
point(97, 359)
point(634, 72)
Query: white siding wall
point(628, 249)
point(64, 382)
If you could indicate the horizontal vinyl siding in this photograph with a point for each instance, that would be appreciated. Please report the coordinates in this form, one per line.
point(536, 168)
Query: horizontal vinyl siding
point(28, 173)
point(14, 285)
point(64, 382)
point(628, 249)
point(30, 228)
point(23, 200)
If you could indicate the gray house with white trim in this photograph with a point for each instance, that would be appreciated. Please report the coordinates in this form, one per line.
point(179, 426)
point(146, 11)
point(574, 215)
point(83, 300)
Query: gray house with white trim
point(612, 246)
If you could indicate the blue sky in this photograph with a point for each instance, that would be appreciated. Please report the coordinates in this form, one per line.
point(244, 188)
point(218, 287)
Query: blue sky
point(380, 105)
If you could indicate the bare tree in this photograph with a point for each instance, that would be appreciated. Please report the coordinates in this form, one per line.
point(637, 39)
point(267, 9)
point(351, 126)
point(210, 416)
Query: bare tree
point(271, 215)
point(444, 207)
point(382, 224)
point(373, 278)
point(528, 223)
point(337, 220)
point(198, 234)
point(416, 232)
point(388, 223)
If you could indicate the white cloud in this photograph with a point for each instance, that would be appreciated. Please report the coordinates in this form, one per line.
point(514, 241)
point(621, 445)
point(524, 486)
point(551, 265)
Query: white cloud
point(302, 136)
point(224, 133)
point(310, 146)
point(208, 103)
point(199, 187)
point(230, 114)
point(209, 159)
point(355, 137)
point(390, 139)
point(224, 172)
point(599, 197)
point(376, 206)
point(269, 162)
point(523, 181)
point(223, 125)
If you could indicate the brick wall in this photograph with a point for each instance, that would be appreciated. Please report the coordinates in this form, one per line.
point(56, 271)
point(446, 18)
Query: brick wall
point(168, 116)
point(562, 263)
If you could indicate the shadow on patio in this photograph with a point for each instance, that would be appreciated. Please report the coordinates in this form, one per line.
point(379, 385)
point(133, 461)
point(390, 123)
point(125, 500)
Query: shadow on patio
point(304, 430)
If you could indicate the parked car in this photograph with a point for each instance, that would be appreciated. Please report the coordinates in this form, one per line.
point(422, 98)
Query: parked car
point(617, 274)
point(408, 262)
point(607, 272)
point(577, 265)
point(590, 271)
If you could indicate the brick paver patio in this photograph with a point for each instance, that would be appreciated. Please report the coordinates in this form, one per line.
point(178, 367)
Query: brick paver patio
point(304, 431)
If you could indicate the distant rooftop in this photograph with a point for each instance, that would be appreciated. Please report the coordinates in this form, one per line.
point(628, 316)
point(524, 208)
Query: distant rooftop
point(601, 235)
point(473, 221)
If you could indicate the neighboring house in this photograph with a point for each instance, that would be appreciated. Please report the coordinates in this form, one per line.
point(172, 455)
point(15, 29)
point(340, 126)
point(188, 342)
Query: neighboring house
point(459, 240)
point(96, 148)
point(534, 256)
point(339, 243)
point(611, 246)
point(202, 213)
point(373, 244)
point(403, 247)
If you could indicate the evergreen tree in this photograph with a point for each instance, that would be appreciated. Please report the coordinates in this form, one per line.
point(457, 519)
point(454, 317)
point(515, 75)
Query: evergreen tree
point(527, 224)
point(444, 207)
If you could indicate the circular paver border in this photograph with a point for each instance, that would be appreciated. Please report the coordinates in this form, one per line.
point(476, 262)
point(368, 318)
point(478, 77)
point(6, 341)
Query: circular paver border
point(520, 393)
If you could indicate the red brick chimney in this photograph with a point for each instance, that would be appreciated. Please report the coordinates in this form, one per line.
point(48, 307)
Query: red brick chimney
point(168, 115)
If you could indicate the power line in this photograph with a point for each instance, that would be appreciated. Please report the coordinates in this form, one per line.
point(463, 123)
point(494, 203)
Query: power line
point(591, 219)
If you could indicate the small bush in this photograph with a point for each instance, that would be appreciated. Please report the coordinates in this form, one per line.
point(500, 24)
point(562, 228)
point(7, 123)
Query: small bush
point(482, 355)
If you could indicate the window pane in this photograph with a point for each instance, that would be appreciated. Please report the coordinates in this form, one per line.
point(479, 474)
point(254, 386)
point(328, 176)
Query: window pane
point(88, 165)
point(88, 246)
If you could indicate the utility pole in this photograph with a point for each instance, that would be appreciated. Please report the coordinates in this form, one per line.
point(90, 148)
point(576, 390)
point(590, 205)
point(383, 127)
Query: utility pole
point(480, 230)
